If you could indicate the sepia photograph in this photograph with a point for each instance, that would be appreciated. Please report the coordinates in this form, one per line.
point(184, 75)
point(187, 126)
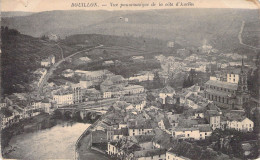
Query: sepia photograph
point(130, 79)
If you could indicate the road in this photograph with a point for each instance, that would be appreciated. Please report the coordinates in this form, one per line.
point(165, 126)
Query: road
point(241, 39)
point(52, 68)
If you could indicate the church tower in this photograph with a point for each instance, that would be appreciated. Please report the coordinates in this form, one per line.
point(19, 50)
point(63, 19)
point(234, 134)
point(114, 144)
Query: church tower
point(242, 94)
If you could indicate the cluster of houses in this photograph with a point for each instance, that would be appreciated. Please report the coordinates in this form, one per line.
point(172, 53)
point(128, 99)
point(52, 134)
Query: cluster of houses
point(96, 85)
point(139, 128)
point(18, 107)
point(48, 61)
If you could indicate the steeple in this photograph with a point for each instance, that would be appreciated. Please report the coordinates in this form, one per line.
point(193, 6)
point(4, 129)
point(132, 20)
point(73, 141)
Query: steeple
point(242, 94)
point(242, 65)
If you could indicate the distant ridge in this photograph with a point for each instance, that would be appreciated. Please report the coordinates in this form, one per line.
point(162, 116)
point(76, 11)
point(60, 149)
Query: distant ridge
point(15, 14)
point(188, 27)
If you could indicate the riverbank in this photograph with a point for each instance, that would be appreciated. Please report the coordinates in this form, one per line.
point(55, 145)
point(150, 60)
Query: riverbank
point(84, 144)
point(36, 123)
point(85, 151)
point(41, 121)
point(55, 143)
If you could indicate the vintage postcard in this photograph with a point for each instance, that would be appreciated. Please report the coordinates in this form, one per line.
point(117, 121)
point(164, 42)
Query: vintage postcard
point(130, 79)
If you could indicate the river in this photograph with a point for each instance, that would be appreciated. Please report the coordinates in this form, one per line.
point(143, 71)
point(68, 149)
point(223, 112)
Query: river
point(57, 142)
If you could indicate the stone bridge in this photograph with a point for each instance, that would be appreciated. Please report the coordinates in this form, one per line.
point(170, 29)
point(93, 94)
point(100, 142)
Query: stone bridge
point(83, 112)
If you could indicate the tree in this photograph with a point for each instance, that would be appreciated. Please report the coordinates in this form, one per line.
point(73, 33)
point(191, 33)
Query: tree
point(156, 81)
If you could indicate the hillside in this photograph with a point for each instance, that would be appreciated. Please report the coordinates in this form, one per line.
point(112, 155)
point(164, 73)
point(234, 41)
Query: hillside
point(188, 27)
point(15, 14)
point(62, 23)
point(21, 55)
point(138, 43)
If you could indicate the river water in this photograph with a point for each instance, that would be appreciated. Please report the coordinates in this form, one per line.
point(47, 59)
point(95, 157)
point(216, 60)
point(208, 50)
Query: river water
point(57, 142)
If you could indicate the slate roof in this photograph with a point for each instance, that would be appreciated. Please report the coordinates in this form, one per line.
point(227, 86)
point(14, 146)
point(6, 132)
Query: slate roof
point(213, 112)
point(166, 123)
point(144, 138)
point(167, 89)
point(162, 138)
point(221, 84)
point(122, 131)
point(174, 152)
point(204, 129)
point(144, 125)
point(149, 153)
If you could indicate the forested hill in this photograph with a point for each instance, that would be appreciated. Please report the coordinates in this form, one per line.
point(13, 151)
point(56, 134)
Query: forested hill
point(21, 55)
point(219, 27)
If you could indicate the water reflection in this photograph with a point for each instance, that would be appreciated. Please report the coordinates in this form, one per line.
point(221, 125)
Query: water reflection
point(54, 143)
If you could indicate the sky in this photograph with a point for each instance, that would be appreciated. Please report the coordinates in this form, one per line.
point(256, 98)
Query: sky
point(48, 5)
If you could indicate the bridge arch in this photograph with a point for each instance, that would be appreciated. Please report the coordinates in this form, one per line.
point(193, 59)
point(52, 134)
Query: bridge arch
point(68, 114)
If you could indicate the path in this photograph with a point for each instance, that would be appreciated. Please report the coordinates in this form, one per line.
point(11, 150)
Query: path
point(241, 39)
point(53, 67)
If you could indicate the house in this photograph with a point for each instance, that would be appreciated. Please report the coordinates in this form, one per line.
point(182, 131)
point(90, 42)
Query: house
point(107, 94)
point(140, 128)
point(167, 91)
point(48, 61)
point(85, 59)
point(151, 154)
point(142, 76)
point(92, 94)
point(95, 76)
point(133, 89)
point(108, 63)
point(196, 101)
point(113, 83)
point(165, 125)
point(145, 141)
point(204, 131)
point(161, 140)
point(6, 117)
point(186, 133)
point(198, 114)
point(45, 63)
point(170, 44)
point(68, 73)
point(122, 125)
point(10, 115)
point(46, 107)
point(112, 150)
point(138, 58)
point(173, 119)
point(119, 133)
point(84, 83)
point(172, 155)
point(3, 105)
point(138, 104)
point(233, 75)
point(240, 123)
point(213, 118)
point(63, 97)
point(121, 148)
